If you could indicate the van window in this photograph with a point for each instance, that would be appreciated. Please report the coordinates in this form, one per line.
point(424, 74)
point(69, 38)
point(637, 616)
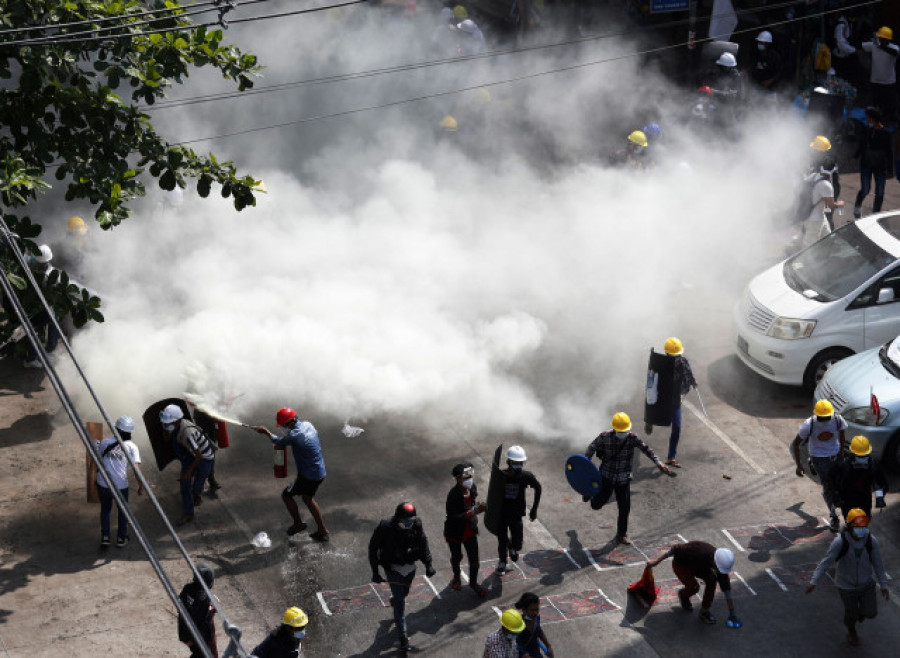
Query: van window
point(836, 265)
point(870, 296)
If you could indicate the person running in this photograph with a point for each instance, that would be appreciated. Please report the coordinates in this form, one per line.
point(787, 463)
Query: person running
point(682, 382)
point(303, 439)
point(532, 641)
point(697, 559)
point(117, 464)
point(284, 641)
point(461, 526)
point(516, 481)
point(857, 477)
point(201, 610)
point(615, 449)
point(875, 152)
point(825, 434)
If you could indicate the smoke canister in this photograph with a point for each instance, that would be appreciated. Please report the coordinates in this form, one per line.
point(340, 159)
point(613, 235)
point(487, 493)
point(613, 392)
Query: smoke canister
point(280, 465)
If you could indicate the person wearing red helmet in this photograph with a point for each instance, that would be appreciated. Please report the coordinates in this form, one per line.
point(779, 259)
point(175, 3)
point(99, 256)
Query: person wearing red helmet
point(303, 439)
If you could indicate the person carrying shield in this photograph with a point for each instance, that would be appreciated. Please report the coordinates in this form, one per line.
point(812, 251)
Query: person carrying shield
point(669, 378)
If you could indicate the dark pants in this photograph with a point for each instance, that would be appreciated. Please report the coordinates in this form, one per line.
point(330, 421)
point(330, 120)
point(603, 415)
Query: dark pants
point(40, 321)
point(692, 585)
point(510, 535)
point(623, 501)
point(195, 484)
point(456, 548)
point(106, 503)
point(824, 466)
point(865, 184)
point(884, 97)
point(676, 432)
point(859, 604)
point(399, 590)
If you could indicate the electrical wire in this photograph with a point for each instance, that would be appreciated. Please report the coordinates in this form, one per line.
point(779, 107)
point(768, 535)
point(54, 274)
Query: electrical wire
point(9, 241)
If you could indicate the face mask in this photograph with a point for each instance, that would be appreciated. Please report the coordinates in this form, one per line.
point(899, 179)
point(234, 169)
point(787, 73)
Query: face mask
point(760, 47)
point(516, 467)
point(169, 427)
point(406, 525)
point(467, 483)
point(527, 618)
point(621, 435)
point(861, 461)
point(860, 533)
point(299, 635)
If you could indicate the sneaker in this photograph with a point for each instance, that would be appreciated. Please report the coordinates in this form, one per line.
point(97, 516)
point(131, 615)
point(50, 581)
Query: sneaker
point(104, 542)
point(214, 486)
point(198, 500)
point(857, 212)
point(513, 555)
point(122, 542)
point(185, 519)
point(623, 539)
point(479, 590)
point(501, 567)
point(318, 535)
point(707, 618)
point(404, 643)
point(456, 583)
point(297, 527)
point(34, 363)
point(685, 601)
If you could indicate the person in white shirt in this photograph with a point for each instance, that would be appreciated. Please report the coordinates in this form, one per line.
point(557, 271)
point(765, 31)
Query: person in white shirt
point(844, 55)
point(113, 457)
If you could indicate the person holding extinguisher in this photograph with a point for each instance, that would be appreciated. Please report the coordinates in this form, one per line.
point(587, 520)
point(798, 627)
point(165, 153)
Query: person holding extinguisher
point(303, 440)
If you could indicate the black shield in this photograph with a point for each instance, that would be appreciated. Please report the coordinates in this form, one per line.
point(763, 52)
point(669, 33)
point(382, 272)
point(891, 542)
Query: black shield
point(159, 440)
point(660, 393)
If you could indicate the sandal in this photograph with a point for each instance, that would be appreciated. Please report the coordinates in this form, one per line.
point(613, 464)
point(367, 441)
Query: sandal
point(673, 462)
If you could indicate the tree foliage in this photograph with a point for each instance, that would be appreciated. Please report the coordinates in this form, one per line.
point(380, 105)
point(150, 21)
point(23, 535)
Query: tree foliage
point(70, 110)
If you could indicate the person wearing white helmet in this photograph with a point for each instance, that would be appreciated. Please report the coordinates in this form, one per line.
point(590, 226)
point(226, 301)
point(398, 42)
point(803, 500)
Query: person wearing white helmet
point(697, 559)
point(728, 87)
point(516, 481)
point(767, 67)
point(112, 454)
point(41, 265)
point(471, 38)
point(196, 453)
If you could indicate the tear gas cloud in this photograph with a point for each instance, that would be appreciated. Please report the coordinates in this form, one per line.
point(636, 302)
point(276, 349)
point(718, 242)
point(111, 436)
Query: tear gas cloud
point(504, 277)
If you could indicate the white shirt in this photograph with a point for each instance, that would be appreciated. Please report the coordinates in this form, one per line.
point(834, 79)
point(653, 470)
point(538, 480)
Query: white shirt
point(816, 226)
point(824, 436)
point(842, 39)
point(883, 64)
point(116, 462)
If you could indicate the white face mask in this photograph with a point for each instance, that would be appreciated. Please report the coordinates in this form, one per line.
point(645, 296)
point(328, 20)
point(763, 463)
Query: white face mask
point(621, 435)
point(467, 483)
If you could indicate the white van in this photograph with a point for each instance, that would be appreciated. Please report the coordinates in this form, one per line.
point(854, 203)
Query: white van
point(837, 297)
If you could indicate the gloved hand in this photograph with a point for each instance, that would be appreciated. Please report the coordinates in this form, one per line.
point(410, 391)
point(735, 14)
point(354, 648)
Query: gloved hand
point(533, 515)
point(733, 621)
point(376, 577)
point(430, 571)
point(879, 501)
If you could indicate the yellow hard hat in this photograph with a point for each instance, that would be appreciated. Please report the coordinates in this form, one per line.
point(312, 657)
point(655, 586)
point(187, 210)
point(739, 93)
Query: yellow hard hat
point(857, 517)
point(77, 225)
point(884, 32)
point(673, 347)
point(512, 621)
point(823, 409)
point(449, 124)
point(860, 446)
point(621, 422)
point(460, 13)
point(295, 617)
point(637, 137)
point(821, 144)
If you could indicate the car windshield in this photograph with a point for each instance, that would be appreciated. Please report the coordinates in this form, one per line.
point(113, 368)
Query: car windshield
point(836, 265)
point(890, 356)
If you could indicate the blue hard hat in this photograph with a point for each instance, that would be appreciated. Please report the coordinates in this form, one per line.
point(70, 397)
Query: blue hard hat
point(652, 130)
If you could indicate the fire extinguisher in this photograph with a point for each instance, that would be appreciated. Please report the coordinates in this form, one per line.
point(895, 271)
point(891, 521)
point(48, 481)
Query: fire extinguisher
point(222, 434)
point(280, 467)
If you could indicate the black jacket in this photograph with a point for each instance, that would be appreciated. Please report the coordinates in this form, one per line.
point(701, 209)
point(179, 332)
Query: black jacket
point(855, 484)
point(278, 644)
point(455, 525)
point(392, 545)
point(201, 611)
point(514, 493)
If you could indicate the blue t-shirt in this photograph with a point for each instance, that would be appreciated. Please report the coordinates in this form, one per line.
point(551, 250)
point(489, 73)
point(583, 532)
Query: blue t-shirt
point(304, 442)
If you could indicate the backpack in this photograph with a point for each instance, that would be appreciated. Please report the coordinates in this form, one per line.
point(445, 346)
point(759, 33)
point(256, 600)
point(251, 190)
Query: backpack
point(845, 546)
point(803, 203)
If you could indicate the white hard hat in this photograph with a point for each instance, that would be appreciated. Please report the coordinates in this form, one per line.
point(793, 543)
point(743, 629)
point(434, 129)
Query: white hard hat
point(467, 26)
point(45, 256)
point(724, 560)
point(125, 424)
point(726, 59)
point(170, 414)
point(764, 37)
point(516, 454)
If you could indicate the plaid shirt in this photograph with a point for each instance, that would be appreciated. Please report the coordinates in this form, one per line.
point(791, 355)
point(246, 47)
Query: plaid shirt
point(616, 455)
point(497, 645)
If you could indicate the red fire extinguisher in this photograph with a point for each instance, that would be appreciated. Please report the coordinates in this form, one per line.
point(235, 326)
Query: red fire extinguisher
point(281, 468)
point(222, 434)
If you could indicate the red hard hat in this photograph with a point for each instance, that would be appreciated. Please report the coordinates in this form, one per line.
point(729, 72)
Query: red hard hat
point(706, 89)
point(284, 416)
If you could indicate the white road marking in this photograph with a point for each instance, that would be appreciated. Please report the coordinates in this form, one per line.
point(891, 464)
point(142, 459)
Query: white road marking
point(324, 605)
point(724, 437)
point(571, 559)
point(776, 579)
point(734, 541)
point(431, 585)
point(741, 578)
point(374, 589)
point(591, 558)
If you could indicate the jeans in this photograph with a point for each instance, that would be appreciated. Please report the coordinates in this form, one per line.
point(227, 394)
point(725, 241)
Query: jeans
point(195, 484)
point(623, 501)
point(676, 432)
point(824, 466)
point(865, 184)
point(106, 503)
point(399, 589)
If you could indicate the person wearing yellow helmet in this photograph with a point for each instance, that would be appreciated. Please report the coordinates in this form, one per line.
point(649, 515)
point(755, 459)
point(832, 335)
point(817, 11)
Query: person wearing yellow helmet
point(502, 642)
point(825, 435)
point(677, 380)
point(284, 641)
point(883, 76)
point(632, 155)
point(857, 477)
point(615, 449)
point(857, 557)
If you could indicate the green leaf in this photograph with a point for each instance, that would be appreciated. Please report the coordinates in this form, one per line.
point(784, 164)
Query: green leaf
point(16, 280)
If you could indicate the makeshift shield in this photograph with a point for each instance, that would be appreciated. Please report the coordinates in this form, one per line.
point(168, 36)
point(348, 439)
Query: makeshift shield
point(660, 395)
point(645, 590)
point(159, 440)
point(583, 475)
point(493, 514)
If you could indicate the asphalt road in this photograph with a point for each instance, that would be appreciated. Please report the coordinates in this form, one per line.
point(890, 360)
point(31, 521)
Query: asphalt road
point(60, 596)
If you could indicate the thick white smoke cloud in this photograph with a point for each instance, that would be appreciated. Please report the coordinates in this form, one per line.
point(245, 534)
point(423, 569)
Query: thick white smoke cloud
point(390, 271)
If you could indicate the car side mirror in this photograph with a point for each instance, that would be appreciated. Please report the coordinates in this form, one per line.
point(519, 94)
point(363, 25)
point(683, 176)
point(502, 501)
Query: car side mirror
point(885, 295)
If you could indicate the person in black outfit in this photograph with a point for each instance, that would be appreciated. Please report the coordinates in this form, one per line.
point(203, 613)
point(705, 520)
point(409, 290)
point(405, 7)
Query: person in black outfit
point(201, 610)
point(509, 538)
point(284, 641)
point(855, 478)
point(766, 71)
point(461, 526)
point(396, 545)
point(875, 153)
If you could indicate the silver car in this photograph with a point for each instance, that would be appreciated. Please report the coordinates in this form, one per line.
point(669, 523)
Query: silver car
point(850, 386)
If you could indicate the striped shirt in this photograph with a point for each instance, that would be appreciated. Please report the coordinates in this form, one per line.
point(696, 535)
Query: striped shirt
point(191, 438)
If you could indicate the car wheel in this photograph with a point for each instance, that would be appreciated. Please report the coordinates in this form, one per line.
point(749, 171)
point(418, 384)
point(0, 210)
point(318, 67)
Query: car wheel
point(891, 456)
point(820, 365)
